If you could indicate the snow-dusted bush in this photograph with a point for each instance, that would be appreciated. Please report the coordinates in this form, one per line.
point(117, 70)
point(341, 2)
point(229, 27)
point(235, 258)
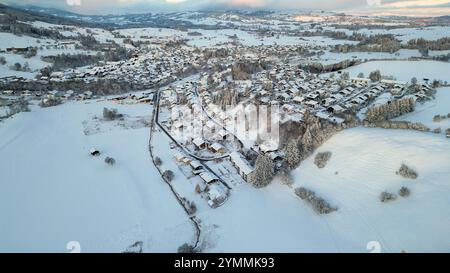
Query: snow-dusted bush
point(390, 110)
point(321, 159)
point(319, 204)
point(135, 248)
point(20, 105)
point(407, 172)
point(437, 130)
point(404, 192)
point(198, 189)
point(168, 175)
point(158, 161)
point(191, 207)
point(50, 102)
point(186, 248)
point(286, 178)
point(111, 114)
point(110, 161)
point(438, 118)
point(447, 132)
point(263, 173)
point(387, 196)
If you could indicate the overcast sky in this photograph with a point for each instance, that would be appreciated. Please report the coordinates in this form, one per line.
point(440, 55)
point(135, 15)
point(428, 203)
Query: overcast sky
point(419, 7)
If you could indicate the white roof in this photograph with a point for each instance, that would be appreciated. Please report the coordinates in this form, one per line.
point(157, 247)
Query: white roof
point(198, 142)
point(195, 164)
point(217, 146)
point(208, 177)
point(242, 164)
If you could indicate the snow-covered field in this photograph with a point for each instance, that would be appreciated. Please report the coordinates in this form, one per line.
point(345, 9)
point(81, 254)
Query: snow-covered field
point(366, 161)
point(405, 70)
point(53, 191)
point(425, 112)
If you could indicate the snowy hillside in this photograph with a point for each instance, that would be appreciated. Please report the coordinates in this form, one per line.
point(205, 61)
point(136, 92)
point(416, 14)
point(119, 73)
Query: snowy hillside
point(53, 191)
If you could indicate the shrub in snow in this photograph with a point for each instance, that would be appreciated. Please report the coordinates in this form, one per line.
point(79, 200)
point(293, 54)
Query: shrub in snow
point(158, 161)
point(198, 189)
point(286, 178)
point(263, 173)
point(447, 132)
point(135, 248)
point(322, 159)
point(407, 172)
point(448, 115)
point(111, 114)
point(190, 206)
point(50, 102)
point(437, 118)
point(168, 175)
point(375, 76)
point(110, 161)
point(404, 192)
point(437, 130)
point(186, 248)
point(21, 105)
point(94, 152)
point(387, 196)
point(320, 205)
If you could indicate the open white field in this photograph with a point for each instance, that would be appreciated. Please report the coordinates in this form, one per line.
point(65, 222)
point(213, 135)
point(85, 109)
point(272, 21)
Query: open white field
point(425, 112)
point(405, 70)
point(274, 219)
point(53, 191)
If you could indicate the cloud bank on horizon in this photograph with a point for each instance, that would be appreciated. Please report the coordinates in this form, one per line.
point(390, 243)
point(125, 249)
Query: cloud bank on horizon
point(405, 7)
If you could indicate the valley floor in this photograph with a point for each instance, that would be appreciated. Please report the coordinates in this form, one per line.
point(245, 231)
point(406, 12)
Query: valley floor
point(54, 192)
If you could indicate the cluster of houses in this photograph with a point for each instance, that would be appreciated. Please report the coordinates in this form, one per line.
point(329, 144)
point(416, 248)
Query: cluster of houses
point(152, 68)
point(210, 186)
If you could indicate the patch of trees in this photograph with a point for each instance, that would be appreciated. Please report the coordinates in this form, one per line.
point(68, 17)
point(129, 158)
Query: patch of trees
point(64, 61)
point(373, 43)
point(19, 67)
point(292, 154)
point(244, 70)
point(320, 205)
point(321, 159)
point(340, 35)
point(99, 87)
point(407, 172)
point(111, 114)
point(263, 173)
point(439, 118)
point(321, 68)
point(425, 45)
point(316, 132)
point(403, 125)
point(390, 110)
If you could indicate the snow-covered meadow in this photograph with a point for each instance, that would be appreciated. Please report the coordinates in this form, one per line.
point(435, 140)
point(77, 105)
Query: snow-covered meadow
point(405, 70)
point(53, 191)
